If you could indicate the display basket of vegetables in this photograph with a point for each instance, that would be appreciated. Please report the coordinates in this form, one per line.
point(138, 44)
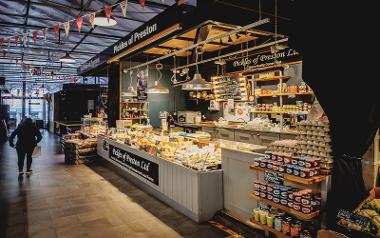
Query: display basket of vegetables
point(366, 217)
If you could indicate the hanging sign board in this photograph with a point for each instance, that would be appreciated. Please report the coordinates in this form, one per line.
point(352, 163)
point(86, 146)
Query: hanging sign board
point(136, 164)
point(263, 60)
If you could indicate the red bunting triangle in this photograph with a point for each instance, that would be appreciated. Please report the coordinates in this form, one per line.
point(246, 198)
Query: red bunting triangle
point(16, 39)
point(108, 12)
point(91, 19)
point(1, 42)
point(79, 22)
point(35, 33)
point(142, 3)
point(56, 29)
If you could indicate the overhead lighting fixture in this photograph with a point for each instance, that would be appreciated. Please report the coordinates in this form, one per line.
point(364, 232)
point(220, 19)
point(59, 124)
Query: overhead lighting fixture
point(229, 39)
point(197, 83)
point(102, 20)
point(67, 58)
point(158, 88)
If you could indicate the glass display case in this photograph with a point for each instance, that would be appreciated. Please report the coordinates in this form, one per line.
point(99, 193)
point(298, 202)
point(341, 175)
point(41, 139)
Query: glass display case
point(93, 126)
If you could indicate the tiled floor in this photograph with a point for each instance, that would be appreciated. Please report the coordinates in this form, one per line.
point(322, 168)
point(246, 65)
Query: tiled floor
point(61, 200)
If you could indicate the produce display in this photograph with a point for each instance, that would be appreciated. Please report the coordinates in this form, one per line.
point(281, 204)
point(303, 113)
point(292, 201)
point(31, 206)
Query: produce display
point(299, 200)
point(179, 148)
point(365, 219)
point(288, 225)
point(79, 149)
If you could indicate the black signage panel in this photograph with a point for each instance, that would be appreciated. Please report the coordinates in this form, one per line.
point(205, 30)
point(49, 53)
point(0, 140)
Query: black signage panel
point(263, 60)
point(136, 164)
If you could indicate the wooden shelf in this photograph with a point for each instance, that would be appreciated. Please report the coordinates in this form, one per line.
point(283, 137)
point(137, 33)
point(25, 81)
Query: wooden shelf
point(267, 228)
point(297, 214)
point(138, 110)
point(135, 118)
point(269, 78)
point(307, 181)
point(198, 99)
point(280, 112)
point(283, 94)
point(134, 102)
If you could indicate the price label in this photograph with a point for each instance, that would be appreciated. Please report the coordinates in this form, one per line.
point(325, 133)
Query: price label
point(273, 177)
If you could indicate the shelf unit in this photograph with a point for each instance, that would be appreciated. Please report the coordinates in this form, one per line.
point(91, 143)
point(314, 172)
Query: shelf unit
point(296, 179)
point(264, 79)
point(141, 108)
point(283, 94)
point(297, 214)
point(267, 228)
point(280, 112)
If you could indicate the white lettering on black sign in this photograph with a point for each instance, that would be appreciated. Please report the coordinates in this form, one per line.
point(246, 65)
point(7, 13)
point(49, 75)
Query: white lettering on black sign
point(136, 164)
point(135, 37)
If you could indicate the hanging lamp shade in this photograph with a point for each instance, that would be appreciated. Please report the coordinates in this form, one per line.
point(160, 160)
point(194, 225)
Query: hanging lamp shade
point(67, 58)
point(102, 20)
point(157, 88)
point(197, 83)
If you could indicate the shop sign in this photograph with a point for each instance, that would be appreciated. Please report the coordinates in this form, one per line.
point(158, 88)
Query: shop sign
point(136, 164)
point(263, 60)
point(136, 37)
point(273, 177)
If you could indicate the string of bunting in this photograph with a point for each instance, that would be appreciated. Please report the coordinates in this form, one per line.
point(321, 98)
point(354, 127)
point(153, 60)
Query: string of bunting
point(66, 25)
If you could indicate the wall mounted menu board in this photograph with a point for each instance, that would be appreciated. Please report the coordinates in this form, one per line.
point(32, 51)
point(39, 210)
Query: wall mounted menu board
point(226, 87)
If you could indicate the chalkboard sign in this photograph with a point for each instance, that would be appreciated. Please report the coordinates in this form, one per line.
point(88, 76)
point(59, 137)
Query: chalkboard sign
point(273, 177)
point(229, 88)
point(354, 218)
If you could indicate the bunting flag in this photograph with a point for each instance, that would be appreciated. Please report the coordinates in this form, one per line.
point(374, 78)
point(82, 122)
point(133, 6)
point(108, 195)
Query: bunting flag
point(1, 42)
point(66, 26)
point(91, 19)
point(24, 38)
point(79, 22)
point(142, 3)
point(16, 39)
point(108, 12)
point(44, 31)
point(9, 42)
point(35, 33)
point(124, 6)
point(56, 29)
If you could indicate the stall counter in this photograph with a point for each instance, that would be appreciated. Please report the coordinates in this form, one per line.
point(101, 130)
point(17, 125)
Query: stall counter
point(196, 194)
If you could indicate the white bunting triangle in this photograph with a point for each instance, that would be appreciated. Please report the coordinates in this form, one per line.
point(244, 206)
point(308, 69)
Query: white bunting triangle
point(66, 26)
point(124, 6)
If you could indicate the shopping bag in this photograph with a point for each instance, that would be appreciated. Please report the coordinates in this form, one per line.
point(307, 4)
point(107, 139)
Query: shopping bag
point(37, 151)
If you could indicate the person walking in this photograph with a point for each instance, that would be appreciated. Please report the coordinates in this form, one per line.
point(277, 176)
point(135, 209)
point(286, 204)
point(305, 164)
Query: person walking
point(28, 136)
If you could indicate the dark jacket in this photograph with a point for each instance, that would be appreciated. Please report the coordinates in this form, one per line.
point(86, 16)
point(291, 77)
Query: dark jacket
point(27, 136)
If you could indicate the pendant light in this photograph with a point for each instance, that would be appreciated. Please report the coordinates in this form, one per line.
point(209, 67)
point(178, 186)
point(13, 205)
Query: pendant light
point(101, 20)
point(67, 58)
point(158, 88)
point(131, 92)
point(197, 83)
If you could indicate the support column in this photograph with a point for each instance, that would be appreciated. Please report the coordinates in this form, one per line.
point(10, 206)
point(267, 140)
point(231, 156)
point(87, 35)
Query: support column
point(23, 100)
point(113, 94)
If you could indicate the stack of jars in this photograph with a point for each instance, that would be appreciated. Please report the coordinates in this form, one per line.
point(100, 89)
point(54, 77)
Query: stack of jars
point(290, 226)
point(300, 200)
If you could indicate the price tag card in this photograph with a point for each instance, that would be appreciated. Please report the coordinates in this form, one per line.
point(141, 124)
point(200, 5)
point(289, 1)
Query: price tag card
point(273, 177)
